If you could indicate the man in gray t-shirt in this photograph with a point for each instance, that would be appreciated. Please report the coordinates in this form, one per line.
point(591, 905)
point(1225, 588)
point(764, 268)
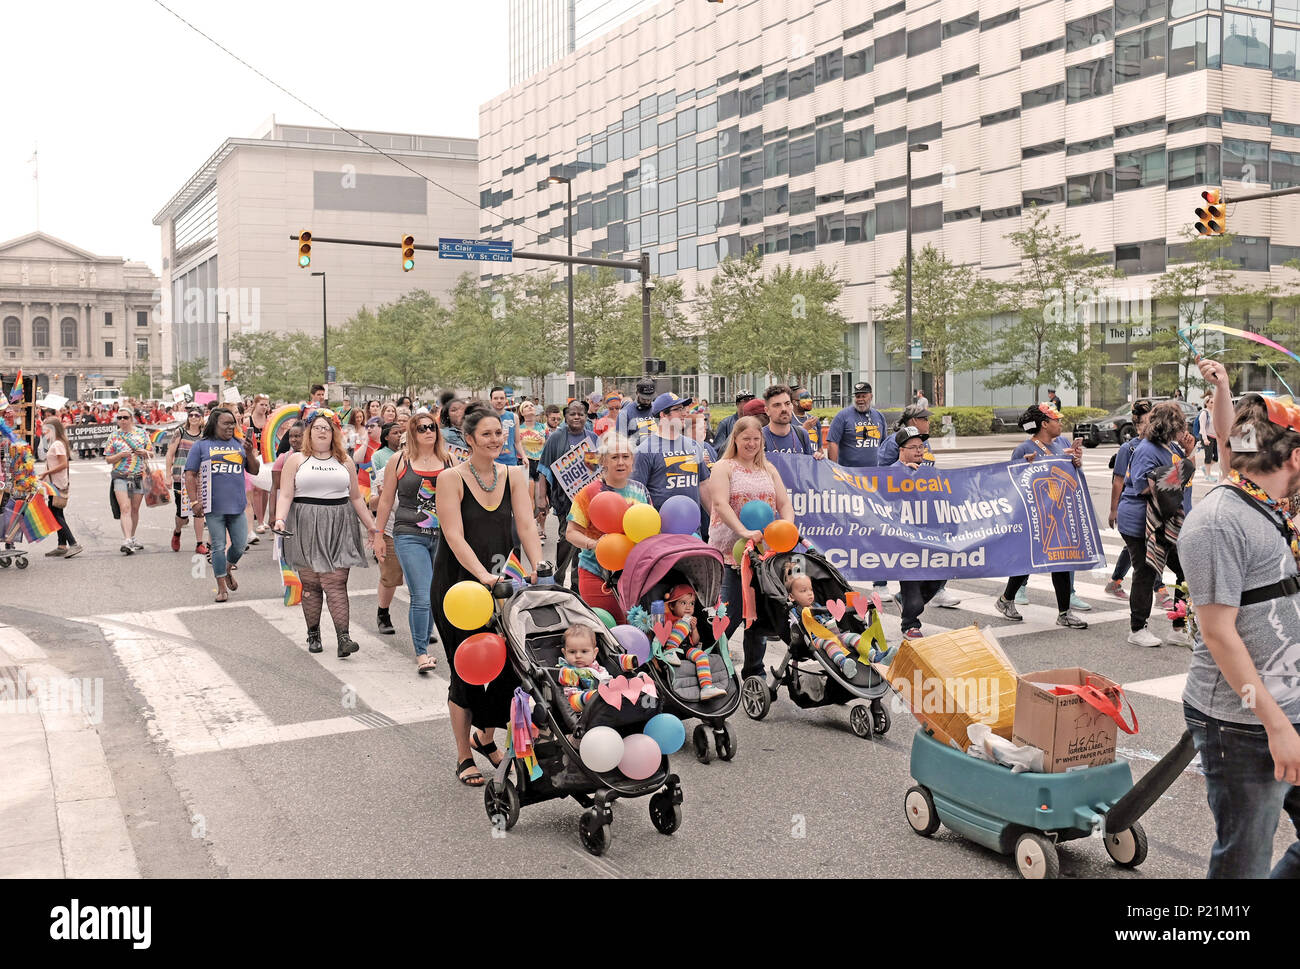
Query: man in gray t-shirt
point(1242, 700)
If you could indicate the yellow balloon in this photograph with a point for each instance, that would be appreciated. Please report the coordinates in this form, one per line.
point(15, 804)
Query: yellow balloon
point(468, 605)
point(641, 521)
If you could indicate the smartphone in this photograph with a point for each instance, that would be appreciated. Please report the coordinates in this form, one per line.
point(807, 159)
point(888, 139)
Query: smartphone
point(1077, 443)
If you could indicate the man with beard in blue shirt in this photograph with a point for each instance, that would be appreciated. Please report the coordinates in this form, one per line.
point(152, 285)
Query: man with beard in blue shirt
point(857, 432)
point(637, 416)
point(669, 463)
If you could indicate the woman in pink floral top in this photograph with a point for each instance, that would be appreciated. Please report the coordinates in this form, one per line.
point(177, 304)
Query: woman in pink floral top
point(127, 453)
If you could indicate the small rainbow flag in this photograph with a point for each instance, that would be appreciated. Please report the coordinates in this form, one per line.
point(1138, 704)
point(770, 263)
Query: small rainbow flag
point(16, 394)
point(514, 570)
point(288, 577)
point(156, 437)
point(38, 520)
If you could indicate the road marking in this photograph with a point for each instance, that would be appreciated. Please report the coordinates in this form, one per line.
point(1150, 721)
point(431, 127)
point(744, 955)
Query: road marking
point(1164, 687)
point(17, 644)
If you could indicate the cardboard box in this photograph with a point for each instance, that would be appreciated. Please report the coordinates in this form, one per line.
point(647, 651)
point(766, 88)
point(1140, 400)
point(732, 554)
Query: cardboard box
point(955, 679)
point(1070, 731)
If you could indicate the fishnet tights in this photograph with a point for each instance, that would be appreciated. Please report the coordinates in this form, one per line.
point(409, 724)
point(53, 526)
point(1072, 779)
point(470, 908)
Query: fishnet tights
point(316, 586)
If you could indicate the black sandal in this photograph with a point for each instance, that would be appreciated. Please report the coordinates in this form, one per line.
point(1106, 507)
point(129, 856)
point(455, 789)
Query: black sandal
point(486, 749)
point(473, 780)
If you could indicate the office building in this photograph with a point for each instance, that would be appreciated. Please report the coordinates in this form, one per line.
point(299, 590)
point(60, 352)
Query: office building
point(540, 32)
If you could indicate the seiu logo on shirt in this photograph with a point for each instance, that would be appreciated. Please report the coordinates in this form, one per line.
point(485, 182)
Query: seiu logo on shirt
point(682, 470)
point(226, 459)
point(868, 435)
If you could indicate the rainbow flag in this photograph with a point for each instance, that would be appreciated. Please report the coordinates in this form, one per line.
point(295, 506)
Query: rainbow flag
point(288, 577)
point(16, 394)
point(514, 570)
point(38, 520)
point(156, 437)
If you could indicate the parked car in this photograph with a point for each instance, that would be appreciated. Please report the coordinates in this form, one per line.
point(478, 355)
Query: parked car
point(1118, 427)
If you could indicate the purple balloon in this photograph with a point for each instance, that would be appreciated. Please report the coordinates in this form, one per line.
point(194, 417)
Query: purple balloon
point(680, 515)
point(633, 641)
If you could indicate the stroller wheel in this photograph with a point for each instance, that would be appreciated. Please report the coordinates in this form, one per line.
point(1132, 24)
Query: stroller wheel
point(21, 561)
point(755, 697)
point(593, 832)
point(860, 721)
point(502, 804)
point(664, 814)
point(880, 718)
point(725, 741)
point(4, 561)
point(700, 740)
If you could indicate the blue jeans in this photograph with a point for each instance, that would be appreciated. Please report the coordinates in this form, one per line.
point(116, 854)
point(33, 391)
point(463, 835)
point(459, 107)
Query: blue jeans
point(219, 526)
point(416, 553)
point(1244, 798)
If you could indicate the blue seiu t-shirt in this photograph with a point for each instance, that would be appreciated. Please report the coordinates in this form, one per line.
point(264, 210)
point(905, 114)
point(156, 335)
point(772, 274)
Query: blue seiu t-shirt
point(1030, 448)
point(858, 435)
point(1132, 514)
point(794, 442)
point(635, 421)
point(508, 424)
point(223, 477)
point(671, 467)
point(1124, 456)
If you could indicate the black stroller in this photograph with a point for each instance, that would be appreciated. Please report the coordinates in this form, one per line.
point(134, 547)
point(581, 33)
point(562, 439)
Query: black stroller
point(654, 566)
point(532, 622)
point(827, 685)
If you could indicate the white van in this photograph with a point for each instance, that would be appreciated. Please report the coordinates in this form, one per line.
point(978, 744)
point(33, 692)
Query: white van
point(109, 396)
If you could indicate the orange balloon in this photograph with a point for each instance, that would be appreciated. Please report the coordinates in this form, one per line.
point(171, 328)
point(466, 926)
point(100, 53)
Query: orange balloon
point(781, 535)
point(612, 551)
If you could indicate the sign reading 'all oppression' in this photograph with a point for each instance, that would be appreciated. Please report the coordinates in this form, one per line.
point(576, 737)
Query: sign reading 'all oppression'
point(993, 520)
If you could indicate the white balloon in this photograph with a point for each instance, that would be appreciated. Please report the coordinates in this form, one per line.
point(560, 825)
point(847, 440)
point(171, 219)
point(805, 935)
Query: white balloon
point(262, 479)
point(602, 749)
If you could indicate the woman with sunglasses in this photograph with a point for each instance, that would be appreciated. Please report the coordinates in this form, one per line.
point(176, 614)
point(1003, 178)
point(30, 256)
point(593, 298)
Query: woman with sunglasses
point(317, 486)
point(127, 452)
point(410, 481)
point(186, 436)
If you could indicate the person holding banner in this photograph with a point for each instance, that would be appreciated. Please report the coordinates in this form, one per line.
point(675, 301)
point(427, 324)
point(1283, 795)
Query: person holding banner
point(178, 452)
point(1043, 422)
point(563, 443)
point(743, 475)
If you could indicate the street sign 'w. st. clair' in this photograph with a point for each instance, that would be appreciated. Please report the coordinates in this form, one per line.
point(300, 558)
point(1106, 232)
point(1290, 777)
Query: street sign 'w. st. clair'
point(486, 250)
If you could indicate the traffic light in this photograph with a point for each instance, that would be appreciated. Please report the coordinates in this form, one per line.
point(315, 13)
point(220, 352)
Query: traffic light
point(408, 253)
point(304, 249)
point(1212, 219)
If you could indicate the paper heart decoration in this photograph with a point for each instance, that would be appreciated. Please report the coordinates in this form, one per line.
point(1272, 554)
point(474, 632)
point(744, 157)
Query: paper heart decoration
point(719, 624)
point(662, 629)
point(836, 608)
point(616, 690)
point(861, 606)
point(721, 607)
point(875, 601)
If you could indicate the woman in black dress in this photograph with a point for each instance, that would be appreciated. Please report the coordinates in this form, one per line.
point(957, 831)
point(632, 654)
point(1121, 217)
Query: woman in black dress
point(479, 503)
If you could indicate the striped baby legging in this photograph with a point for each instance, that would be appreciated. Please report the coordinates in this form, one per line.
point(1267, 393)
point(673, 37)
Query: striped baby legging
point(681, 631)
point(836, 650)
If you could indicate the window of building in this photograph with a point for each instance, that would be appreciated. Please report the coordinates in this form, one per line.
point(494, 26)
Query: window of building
point(1286, 53)
point(924, 39)
point(1083, 33)
point(889, 184)
point(1136, 258)
point(829, 67)
point(776, 201)
point(776, 158)
point(1196, 165)
point(925, 92)
point(667, 160)
point(668, 226)
point(108, 349)
point(1037, 50)
point(108, 319)
point(631, 142)
point(994, 215)
point(1093, 187)
point(891, 45)
point(13, 332)
point(707, 182)
point(41, 333)
point(667, 193)
point(751, 207)
point(859, 144)
point(992, 23)
point(1183, 8)
point(728, 174)
point(706, 256)
point(1257, 118)
point(1288, 10)
point(1191, 124)
point(1092, 144)
point(685, 221)
point(1130, 13)
point(803, 238)
point(142, 349)
point(1089, 80)
point(751, 101)
point(1245, 161)
point(706, 151)
point(751, 170)
point(1139, 169)
point(997, 117)
point(1286, 130)
point(1248, 252)
point(802, 202)
point(706, 119)
point(861, 28)
point(686, 153)
point(1246, 41)
point(830, 143)
point(667, 132)
point(1139, 127)
point(1050, 195)
point(751, 140)
point(649, 230)
point(728, 212)
point(801, 81)
point(858, 63)
point(1281, 255)
point(1140, 53)
point(929, 132)
point(776, 87)
point(927, 218)
point(68, 332)
point(1038, 151)
point(1284, 169)
point(686, 186)
point(729, 247)
point(1194, 46)
point(891, 216)
point(959, 215)
point(667, 102)
point(685, 123)
point(896, 136)
point(728, 141)
point(830, 228)
point(803, 154)
point(649, 195)
point(776, 238)
point(889, 97)
point(961, 25)
point(859, 227)
point(1043, 95)
point(964, 74)
point(649, 133)
point(141, 317)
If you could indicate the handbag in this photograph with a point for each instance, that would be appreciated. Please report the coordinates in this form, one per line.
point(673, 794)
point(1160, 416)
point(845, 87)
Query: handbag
point(57, 498)
point(156, 490)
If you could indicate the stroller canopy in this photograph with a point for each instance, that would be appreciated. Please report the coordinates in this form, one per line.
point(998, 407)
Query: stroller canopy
point(653, 558)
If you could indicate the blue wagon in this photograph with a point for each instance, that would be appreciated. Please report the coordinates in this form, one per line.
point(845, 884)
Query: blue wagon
point(1025, 814)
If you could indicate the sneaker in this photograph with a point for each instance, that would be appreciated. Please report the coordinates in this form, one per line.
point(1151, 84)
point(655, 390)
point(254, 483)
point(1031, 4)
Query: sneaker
point(1116, 589)
point(176, 541)
point(712, 692)
point(261, 528)
point(1071, 621)
point(1163, 597)
point(885, 658)
point(1078, 604)
point(1179, 637)
point(202, 549)
point(57, 553)
point(912, 634)
point(849, 669)
point(945, 600)
point(73, 550)
point(134, 544)
point(1008, 609)
point(671, 658)
point(253, 540)
point(1144, 637)
point(125, 548)
point(1022, 595)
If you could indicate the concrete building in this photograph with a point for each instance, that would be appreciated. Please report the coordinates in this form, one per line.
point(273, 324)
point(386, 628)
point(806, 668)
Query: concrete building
point(540, 32)
point(74, 320)
point(225, 232)
point(698, 131)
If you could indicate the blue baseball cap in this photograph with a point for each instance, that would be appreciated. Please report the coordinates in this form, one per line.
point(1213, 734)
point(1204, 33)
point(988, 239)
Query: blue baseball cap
point(668, 401)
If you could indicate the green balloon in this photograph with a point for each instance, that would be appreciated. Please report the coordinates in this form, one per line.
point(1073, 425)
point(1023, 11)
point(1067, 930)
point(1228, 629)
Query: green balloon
point(738, 551)
point(606, 618)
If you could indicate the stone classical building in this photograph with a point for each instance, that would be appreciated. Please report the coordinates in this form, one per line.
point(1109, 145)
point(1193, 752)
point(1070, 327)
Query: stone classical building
point(74, 320)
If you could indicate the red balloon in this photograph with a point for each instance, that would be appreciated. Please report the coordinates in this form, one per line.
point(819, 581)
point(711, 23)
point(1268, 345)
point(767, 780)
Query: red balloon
point(480, 658)
point(603, 426)
point(606, 512)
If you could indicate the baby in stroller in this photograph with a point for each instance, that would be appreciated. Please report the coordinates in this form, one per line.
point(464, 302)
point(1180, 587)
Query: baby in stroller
point(580, 674)
point(823, 631)
point(679, 606)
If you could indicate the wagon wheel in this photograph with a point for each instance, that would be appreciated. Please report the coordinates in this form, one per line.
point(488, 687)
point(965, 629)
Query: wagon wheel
point(1036, 856)
point(1128, 848)
point(918, 805)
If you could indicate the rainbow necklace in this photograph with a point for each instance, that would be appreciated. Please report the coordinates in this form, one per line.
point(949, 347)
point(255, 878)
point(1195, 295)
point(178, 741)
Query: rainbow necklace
point(1260, 495)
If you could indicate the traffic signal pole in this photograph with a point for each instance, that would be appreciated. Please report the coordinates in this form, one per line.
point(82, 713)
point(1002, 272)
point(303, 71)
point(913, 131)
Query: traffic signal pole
point(1231, 200)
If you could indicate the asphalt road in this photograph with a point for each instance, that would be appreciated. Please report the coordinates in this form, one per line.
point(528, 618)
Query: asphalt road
point(235, 752)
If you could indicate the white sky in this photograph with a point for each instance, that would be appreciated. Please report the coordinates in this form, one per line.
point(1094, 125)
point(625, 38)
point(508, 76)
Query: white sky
point(125, 102)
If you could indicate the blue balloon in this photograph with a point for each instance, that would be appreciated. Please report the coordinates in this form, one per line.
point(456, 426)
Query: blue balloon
point(679, 515)
point(756, 515)
point(667, 731)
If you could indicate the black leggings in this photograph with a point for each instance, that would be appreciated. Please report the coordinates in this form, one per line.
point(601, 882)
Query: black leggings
point(1145, 581)
point(65, 533)
point(1061, 583)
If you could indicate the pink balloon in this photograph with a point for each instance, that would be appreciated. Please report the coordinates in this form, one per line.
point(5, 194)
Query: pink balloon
point(641, 757)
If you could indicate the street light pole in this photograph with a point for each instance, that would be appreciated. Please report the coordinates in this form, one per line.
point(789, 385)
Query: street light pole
point(226, 352)
point(907, 311)
point(325, 329)
point(568, 231)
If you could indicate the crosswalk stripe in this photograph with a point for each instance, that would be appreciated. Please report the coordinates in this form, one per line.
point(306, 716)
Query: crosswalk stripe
point(1164, 687)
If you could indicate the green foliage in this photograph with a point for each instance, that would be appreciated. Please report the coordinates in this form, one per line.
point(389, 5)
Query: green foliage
point(785, 324)
point(397, 347)
point(969, 421)
point(191, 372)
point(137, 384)
point(949, 305)
point(607, 326)
point(281, 365)
point(1042, 345)
point(1072, 416)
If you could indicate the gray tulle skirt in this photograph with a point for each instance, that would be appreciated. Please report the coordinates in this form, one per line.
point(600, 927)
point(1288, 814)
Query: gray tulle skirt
point(325, 538)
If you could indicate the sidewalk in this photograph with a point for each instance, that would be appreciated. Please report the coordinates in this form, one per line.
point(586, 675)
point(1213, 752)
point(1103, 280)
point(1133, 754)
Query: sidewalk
point(59, 813)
